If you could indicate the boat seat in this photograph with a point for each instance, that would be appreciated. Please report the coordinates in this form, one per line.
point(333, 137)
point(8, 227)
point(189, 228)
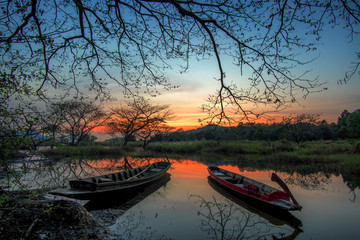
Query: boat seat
point(101, 180)
point(219, 174)
point(120, 176)
point(241, 180)
point(156, 170)
point(252, 188)
point(226, 178)
point(263, 189)
point(132, 172)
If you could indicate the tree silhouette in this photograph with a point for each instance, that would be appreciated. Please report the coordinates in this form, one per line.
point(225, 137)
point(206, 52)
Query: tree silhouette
point(79, 118)
point(138, 118)
point(69, 44)
point(300, 126)
point(349, 124)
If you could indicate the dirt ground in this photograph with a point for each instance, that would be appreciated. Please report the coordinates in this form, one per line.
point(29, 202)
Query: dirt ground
point(28, 215)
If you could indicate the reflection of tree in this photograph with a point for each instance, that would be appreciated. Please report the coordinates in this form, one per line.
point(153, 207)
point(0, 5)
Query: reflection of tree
point(351, 179)
point(226, 220)
point(314, 181)
point(131, 226)
point(127, 224)
point(49, 174)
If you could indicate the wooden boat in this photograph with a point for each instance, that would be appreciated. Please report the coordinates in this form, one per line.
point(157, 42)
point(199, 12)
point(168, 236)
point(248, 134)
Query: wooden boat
point(255, 190)
point(114, 182)
point(272, 215)
point(121, 201)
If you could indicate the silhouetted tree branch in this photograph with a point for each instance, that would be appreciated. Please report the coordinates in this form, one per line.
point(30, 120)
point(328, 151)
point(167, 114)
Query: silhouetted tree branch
point(79, 118)
point(138, 118)
point(72, 44)
point(300, 125)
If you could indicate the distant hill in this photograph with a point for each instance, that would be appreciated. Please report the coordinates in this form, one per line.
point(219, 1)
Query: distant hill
point(115, 139)
point(210, 127)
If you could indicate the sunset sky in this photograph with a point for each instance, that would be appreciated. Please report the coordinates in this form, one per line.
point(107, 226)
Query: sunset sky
point(335, 57)
point(83, 70)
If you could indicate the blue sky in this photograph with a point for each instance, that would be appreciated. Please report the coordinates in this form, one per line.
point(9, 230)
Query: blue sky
point(334, 57)
point(331, 61)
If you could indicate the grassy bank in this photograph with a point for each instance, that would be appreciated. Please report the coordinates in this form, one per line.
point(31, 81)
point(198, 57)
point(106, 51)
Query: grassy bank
point(83, 150)
point(337, 157)
point(346, 152)
point(258, 147)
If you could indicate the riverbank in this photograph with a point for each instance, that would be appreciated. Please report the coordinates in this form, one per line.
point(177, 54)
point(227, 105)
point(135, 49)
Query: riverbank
point(345, 153)
point(207, 146)
point(29, 215)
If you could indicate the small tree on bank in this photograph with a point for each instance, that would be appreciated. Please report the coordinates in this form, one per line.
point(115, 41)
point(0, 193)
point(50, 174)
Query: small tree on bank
point(152, 131)
point(349, 124)
point(300, 126)
point(79, 118)
point(138, 119)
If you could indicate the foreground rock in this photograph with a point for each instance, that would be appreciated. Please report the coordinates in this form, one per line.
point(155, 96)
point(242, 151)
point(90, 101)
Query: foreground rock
point(30, 216)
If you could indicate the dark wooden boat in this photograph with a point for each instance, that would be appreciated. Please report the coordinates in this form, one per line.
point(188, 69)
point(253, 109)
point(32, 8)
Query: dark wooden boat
point(121, 201)
point(255, 190)
point(114, 182)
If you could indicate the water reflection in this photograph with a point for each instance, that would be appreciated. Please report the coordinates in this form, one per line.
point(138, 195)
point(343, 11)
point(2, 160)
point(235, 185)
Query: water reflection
point(226, 220)
point(129, 199)
point(274, 216)
point(315, 181)
point(51, 174)
point(330, 208)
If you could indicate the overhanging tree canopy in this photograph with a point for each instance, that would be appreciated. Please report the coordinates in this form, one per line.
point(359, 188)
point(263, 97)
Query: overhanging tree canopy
point(131, 42)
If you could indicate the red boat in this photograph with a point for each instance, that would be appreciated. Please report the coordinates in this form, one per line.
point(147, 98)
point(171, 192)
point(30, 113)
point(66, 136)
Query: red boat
point(255, 190)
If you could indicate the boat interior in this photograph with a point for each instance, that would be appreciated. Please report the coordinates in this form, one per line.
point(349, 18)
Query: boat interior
point(243, 182)
point(133, 173)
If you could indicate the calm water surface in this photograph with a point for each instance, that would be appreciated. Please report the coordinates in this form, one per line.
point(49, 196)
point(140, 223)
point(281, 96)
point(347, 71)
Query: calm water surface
point(186, 205)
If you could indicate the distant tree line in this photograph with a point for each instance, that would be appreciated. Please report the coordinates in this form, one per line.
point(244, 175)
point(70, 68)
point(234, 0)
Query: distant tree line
point(298, 128)
point(72, 121)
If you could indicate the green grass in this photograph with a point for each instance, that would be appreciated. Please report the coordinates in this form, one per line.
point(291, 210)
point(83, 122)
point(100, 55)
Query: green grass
point(281, 152)
point(349, 161)
point(88, 150)
point(224, 147)
point(317, 149)
point(329, 157)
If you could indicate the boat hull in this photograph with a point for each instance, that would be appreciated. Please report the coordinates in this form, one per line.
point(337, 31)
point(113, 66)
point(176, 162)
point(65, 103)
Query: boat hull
point(275, 216)
point(105, 193)
point(88, 188)
point(275, 198)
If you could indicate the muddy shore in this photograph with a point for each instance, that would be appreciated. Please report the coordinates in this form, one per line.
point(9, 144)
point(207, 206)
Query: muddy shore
point(29, 215)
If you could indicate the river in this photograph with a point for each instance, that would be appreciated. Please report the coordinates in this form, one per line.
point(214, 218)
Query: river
point(187, 205)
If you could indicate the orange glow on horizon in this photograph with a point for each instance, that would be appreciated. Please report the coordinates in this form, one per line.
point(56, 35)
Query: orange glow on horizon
point(100, 129)
point(190, 121)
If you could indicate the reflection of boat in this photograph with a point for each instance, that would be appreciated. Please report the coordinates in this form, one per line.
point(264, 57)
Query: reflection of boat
point(254, 190)
point(275, 217)
point(121, 181)
point(128, 200)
